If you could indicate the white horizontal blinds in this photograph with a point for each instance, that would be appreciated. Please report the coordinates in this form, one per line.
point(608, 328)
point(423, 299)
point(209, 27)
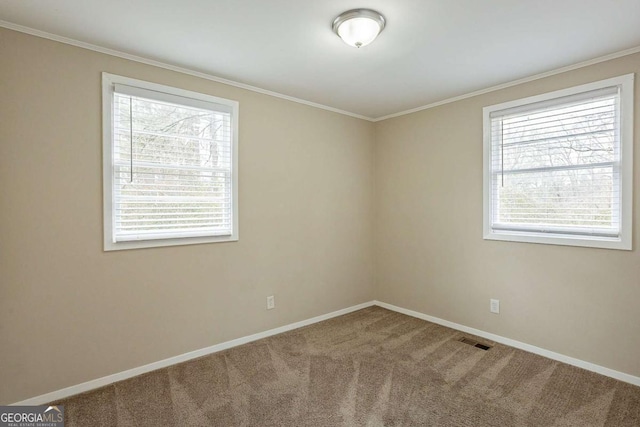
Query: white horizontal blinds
point(556, 166)
point(172, 166)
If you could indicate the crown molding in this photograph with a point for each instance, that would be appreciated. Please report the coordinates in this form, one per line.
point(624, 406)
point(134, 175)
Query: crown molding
point(171, 67)
point(206, 76)
point(534, 77)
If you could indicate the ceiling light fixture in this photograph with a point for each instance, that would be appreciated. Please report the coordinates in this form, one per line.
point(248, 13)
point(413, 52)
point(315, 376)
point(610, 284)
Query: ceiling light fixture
point(358, 27)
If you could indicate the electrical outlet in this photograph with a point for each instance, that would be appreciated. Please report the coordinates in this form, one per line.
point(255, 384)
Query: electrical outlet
point(494, 306)
point(271, 302)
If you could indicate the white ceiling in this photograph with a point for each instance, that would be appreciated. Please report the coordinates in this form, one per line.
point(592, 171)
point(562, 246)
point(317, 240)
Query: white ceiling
point(430, 50)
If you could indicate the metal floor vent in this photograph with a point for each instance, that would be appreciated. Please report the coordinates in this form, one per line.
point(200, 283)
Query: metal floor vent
point(474, 343)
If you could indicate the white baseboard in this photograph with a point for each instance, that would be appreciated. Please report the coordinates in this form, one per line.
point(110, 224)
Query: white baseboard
point(120, 376)
point(517, 344)
point(110, 379)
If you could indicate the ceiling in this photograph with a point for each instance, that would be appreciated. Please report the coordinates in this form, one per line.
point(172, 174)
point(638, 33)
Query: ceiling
point(431, 50)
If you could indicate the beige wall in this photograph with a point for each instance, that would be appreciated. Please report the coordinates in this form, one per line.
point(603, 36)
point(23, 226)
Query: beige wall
point(311, 231)
point(430, 255)
point(70, 312)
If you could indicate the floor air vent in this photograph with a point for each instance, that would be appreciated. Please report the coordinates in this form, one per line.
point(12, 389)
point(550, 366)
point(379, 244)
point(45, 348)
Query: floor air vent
point(474, 343)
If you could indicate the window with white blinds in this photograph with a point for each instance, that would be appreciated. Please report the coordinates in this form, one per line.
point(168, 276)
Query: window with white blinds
point(558, 167)
point(170, 159)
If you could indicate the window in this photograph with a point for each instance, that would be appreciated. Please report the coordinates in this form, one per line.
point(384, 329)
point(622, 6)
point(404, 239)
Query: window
point(169, 164)
point(558, 167)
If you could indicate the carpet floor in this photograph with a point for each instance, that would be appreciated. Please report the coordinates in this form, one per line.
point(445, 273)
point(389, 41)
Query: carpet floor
point(373, 367)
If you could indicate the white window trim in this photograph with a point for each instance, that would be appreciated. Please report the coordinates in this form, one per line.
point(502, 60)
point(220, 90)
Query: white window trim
point(108, 83)
point(624, 242)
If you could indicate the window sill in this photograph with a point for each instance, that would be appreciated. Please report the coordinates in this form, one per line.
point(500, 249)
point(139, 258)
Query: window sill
point(559, 239)
point(182, 241)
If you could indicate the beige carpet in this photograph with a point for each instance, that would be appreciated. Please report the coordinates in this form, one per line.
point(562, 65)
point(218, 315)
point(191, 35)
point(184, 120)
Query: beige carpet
point(372, 367)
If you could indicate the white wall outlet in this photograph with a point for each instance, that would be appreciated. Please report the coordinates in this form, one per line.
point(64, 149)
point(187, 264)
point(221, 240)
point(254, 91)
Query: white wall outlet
point(271, 302)
point(494, 305)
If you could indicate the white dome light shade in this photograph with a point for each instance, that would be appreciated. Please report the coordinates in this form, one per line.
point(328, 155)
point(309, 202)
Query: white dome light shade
point(359, 27)
point(358, 32)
